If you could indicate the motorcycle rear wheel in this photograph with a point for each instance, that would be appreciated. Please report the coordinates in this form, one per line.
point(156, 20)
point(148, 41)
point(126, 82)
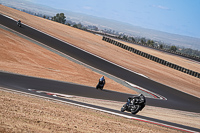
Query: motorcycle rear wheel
point(136, 109)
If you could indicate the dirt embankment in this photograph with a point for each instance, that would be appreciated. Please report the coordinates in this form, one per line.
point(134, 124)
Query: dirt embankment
point(95, 45)
point(21, 113)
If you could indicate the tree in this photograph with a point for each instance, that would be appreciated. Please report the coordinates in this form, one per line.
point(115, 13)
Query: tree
point(148, 42)
point(79, 25)
point(132, 39)
point(75, 26)
point(60, 17)
point(120, 36)
point(173, 48)
point(68, 24)
point(161, 46)
point(152, 43)
point(125, 37)
point(143, 40)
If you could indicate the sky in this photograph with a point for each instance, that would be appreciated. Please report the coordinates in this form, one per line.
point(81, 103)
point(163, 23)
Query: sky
point(173, 16)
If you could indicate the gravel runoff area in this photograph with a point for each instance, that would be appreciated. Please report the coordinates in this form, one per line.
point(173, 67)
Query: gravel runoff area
point(25, 113)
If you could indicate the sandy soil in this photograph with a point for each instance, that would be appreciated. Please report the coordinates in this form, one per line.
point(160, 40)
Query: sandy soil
point(94, 44)
point(21, 113)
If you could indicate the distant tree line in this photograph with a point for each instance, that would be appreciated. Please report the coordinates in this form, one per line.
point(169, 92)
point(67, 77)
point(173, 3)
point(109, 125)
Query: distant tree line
point(139, 40)
point(159, 44)
point(190, 51)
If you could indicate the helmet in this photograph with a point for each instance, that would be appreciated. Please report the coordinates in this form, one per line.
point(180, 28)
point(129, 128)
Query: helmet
point(102, 78)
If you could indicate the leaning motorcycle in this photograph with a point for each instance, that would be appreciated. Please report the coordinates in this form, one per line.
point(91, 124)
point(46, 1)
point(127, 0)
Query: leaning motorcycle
point(134, 106)
point(100, 86)
point(19, 24)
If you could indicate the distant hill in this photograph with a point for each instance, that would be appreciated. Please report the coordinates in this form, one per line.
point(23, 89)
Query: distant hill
point(102, 23)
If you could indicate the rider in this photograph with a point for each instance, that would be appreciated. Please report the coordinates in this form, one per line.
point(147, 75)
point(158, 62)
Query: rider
point(19, 23)
point(102, 82)
point(141, 100)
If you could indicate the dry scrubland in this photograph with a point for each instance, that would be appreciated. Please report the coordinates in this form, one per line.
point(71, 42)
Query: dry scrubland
point(21, 113)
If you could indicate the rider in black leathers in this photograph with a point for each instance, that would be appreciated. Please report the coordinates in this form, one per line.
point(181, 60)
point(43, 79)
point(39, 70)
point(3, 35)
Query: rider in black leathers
point(101, 83)
point(19, 23)
point(140, 99)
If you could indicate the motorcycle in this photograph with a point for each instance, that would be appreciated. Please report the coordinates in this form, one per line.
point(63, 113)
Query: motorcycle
point(19, 24)
point(134, 106)
point(100, 86)
point(101, 83)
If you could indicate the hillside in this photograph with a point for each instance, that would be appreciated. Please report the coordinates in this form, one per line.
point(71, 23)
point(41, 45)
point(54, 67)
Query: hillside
point(25, 113)
point(102, 23)
point(95, 45)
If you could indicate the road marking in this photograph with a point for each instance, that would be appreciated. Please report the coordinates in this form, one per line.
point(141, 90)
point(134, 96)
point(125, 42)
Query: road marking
point(106, 111)
point(147, 91)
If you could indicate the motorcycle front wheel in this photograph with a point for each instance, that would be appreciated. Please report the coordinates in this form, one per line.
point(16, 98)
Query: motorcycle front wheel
point(123, 108)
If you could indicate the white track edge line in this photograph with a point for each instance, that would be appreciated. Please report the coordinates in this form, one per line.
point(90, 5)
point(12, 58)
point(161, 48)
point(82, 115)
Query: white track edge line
point(109, 112)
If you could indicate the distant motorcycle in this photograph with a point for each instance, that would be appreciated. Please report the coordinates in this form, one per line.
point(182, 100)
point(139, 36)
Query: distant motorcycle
point(101, 83)
point(100, 86)
point(134, 105)
point(19, 23)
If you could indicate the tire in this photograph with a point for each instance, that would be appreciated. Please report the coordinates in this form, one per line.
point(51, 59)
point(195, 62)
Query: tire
point(123, 108)
point(136, 109)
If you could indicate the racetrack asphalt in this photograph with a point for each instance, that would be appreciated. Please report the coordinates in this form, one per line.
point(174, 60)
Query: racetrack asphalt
point(175, 99)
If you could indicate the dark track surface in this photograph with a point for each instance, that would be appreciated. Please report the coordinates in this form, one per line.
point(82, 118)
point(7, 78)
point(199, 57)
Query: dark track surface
point(176, 99)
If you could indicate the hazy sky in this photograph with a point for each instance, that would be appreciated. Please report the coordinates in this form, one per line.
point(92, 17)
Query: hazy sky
point(173, 16)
